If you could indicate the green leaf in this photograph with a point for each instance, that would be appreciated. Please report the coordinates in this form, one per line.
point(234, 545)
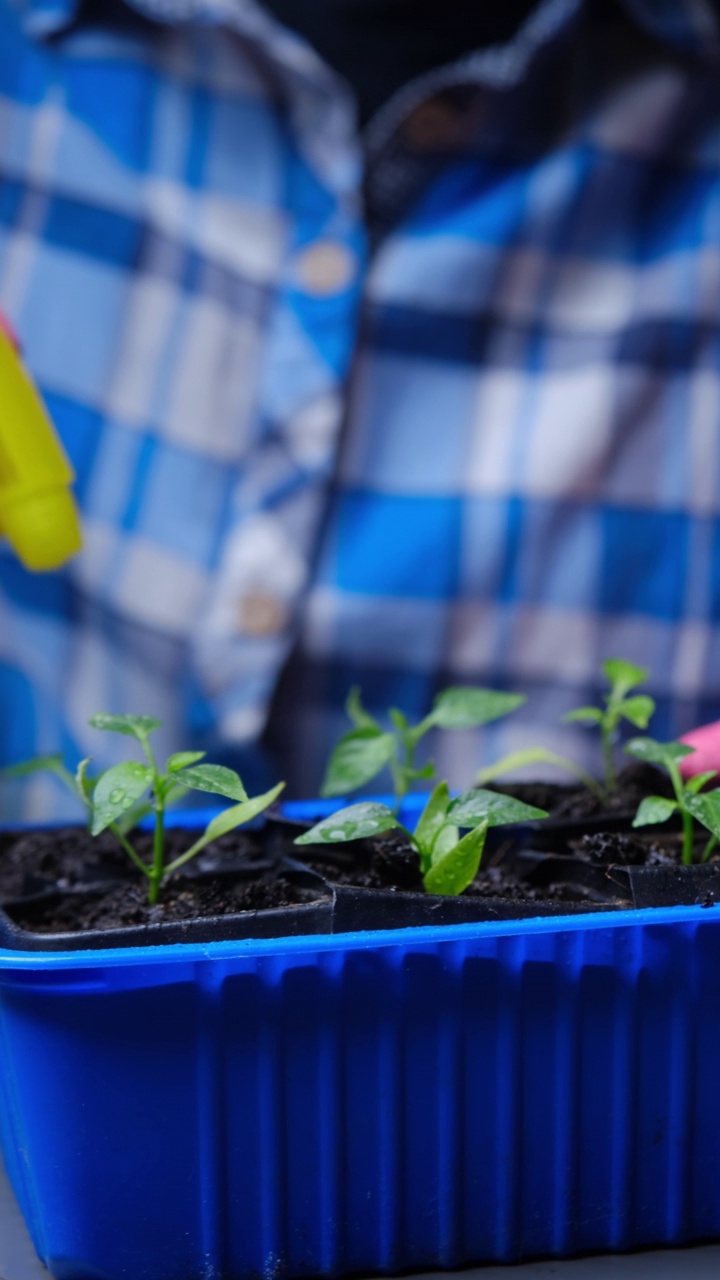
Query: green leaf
point(517, 760)
point(116, 791)
point(354, 823)
point(696, 783)
point(355, 759)
point(473, 807)
point(432, 818)
point(458, 867)
point(213, 778)
point(536, 755)
point(236, 816)
point(39, 764)
point(45, 764)
point(134, 726)
point(463, 707)
point(86, 786)
point(134, 816)
point(398, 719)
point(654, 809)
point(706, 808)
point(357, 713)
point(417, 775)
point(445, 840)
point(584, 715)
point(639, 711)
point(182, 759)
point(623, 675)
point(657, 752)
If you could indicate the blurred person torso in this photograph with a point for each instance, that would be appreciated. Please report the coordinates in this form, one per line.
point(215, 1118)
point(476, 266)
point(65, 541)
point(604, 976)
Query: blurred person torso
point(392, 369)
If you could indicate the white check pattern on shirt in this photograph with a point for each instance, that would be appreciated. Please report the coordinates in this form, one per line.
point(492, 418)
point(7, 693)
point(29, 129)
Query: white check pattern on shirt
point(183, 254)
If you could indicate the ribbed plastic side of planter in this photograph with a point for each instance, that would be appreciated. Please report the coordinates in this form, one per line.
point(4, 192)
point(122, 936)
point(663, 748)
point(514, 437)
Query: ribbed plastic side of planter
point(368, 1102)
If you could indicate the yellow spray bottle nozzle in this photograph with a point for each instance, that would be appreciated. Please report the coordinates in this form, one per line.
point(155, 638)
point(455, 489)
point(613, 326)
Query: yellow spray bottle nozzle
point(37, 511)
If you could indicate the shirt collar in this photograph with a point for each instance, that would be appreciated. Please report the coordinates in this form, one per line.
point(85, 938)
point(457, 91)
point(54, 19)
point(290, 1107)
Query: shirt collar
point(690, 25)
point(43, 18)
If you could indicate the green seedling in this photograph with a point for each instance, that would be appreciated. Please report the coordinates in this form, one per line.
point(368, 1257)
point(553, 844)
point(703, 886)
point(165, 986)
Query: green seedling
point(126, 792)
point(638, 709)
point(691, 802)
point(448, 862)
point(81, 785)
point(623, 677)
point(368, 748)
point(537, 755)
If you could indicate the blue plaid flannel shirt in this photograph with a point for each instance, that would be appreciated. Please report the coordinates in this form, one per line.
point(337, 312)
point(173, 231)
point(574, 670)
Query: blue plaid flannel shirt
point(436, 403)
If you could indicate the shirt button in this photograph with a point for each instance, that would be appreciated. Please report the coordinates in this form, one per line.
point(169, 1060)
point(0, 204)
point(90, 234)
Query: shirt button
point(326, 267)
point(434, 126)
point(260, 614)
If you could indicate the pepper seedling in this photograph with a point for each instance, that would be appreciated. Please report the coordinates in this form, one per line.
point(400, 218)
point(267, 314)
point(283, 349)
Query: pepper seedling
point(119, 797)
point(690, 801)
point(638, 710)
point(81, 785)
point(623, 677)
point(448, 862)
point(363, 752)
point(537, 755)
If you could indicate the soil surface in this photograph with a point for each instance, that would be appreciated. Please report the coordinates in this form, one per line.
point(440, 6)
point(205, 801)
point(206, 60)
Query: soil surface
point(495, 882)
point(182, 898)
point(385, 862)
point(635, 850)
point(69, 859)
point(66, 857)
point(388, 862)
point(636, 780)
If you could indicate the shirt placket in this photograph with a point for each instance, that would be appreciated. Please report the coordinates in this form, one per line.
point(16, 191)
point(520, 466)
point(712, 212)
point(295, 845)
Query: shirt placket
point(247, 626)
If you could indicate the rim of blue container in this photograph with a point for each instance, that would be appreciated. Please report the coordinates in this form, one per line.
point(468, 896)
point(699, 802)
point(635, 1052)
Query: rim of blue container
point(370, 939)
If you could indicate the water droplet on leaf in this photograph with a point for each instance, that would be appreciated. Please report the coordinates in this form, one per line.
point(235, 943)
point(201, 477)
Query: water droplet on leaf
point(116, 796)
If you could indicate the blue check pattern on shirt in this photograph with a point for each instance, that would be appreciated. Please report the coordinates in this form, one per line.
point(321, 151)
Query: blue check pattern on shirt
point(486, 449)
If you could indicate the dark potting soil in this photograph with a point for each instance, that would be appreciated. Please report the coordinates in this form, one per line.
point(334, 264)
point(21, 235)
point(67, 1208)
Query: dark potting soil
point(494, 882)
point(388, 862)
point(182, 898)
point(636, 780)
point(68, 856)
point(648, 849)
point(385, 862)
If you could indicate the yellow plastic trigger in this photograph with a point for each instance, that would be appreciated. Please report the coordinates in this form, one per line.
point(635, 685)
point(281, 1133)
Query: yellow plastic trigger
point(38, 514)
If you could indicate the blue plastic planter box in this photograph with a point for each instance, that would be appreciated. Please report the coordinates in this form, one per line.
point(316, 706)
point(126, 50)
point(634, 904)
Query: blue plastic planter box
point(365, 1102)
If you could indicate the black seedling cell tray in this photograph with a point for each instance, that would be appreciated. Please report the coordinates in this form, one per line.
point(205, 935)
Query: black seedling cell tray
point(314, 917)
point(358, 910)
